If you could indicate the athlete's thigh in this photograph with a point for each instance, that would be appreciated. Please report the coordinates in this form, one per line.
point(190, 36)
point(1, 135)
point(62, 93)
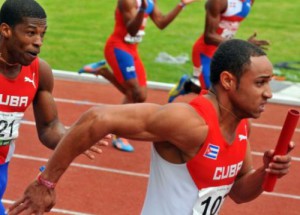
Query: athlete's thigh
point(121, 62)
point(140, 71)
point(205, 74)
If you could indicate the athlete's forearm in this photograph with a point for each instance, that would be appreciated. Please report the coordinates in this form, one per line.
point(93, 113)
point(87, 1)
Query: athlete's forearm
point(249, 186)
point(134, 25)
point(162, 21)
point(52, 134)
point(80, 137)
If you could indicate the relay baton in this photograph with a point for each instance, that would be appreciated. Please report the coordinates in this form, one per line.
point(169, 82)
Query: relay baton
point(282, 146)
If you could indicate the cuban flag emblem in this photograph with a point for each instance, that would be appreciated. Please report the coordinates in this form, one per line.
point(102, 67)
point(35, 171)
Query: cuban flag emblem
point(212, 151)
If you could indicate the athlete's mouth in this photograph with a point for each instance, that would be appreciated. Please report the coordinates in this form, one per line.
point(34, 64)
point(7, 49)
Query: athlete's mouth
point(33, 53)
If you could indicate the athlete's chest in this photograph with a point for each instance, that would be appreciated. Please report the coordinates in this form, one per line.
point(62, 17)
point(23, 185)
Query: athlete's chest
point(17, 94)
point(220, 160)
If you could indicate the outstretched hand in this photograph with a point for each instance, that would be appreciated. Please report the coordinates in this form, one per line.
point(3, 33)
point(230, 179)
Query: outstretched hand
point(96, 147)
point(279, 164)
point(261, 43)
point(37, 199)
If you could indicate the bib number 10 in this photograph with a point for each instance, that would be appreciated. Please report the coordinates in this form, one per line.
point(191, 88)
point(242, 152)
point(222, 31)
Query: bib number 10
point(211, 207)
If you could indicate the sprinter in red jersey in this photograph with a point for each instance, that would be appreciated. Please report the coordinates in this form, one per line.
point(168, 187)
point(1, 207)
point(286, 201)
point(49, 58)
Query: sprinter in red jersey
point(121, 50)
point(25, 79)
point(223, 19)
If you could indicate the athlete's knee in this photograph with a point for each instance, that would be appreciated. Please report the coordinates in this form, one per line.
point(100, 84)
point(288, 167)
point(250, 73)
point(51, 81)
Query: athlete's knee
point(136, 95)
point(139, 96)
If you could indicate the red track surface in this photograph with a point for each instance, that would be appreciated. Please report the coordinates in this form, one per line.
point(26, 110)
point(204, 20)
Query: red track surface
point(119, 184)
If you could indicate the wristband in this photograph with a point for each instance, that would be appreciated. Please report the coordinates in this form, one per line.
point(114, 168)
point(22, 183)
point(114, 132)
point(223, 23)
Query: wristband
point(42, 168)
point(181, 4)
point(46, 183)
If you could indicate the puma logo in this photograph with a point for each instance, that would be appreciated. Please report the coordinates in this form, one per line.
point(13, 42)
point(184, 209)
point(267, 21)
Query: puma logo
point(242, 137)
point(27, 79)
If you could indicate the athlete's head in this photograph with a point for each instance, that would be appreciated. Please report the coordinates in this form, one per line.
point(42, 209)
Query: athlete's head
point(14, 11)
point(23, 24)
point(233, 56)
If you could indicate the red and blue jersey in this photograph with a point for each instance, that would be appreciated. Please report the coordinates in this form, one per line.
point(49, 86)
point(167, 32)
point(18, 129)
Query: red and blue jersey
point(236, 12)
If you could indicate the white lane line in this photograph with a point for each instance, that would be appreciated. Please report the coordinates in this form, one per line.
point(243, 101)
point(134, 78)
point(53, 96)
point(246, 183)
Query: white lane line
point(261, 154)
point(104, 169)
point(282, 195)
point(56, 210)
point(78, 102)
point(270, 126)
point(84, 166)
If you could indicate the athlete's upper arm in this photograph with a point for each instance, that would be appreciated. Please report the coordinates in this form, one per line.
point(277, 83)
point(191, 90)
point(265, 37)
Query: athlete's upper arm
point(174, 123)
point(157, 16)
point(45, 110)
point(128, 10)
point(180, 125)
point(214, 10)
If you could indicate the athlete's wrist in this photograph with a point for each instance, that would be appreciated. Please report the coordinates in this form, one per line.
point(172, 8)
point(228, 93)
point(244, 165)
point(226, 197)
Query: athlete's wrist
point(42, 181)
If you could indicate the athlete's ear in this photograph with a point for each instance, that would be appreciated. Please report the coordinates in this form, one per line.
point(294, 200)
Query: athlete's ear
point(227, 80)
point(5, 30)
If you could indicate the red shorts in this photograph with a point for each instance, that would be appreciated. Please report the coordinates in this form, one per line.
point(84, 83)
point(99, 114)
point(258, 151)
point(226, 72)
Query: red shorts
point(125, 62)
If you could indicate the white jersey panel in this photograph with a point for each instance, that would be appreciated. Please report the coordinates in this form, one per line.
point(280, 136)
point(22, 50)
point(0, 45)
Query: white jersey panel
point(171, 190)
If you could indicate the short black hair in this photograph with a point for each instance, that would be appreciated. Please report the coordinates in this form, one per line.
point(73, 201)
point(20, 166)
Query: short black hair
point(233, 56)
point(13, 11)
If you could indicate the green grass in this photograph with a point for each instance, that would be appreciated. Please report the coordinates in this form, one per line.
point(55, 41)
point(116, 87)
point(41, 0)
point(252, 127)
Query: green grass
point(78, 30)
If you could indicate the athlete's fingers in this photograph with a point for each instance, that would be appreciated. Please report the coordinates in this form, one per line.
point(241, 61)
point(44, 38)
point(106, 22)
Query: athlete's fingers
point(291, 146)
point(18, 207)
point(279, 165)
point(252, 36)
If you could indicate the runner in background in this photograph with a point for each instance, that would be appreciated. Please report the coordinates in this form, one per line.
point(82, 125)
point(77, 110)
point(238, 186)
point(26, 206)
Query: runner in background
point(223, 18)
point(121, 50)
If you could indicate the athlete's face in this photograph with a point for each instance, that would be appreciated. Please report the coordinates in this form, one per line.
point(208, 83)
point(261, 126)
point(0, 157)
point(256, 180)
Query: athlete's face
point(25, 40)
point(253, 91)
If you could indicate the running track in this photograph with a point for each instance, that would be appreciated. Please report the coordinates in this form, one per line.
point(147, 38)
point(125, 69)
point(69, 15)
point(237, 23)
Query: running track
point(115, 182)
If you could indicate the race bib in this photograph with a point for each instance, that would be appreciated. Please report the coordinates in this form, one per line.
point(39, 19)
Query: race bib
point(210, 200)
point(229, 29)
point(136, 39)
point(9, 126)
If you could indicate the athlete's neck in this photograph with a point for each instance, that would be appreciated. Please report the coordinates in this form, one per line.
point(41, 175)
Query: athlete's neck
point(221, 106)
point(7, 63)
